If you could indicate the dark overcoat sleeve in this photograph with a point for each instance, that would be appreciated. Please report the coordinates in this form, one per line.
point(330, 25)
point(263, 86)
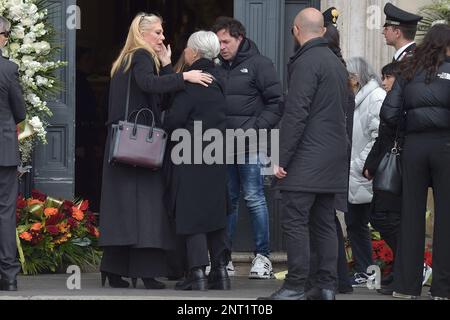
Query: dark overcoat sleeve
point(302, 88)
point(16, 100)
point(383, 143)
point(392, 105)
point(147, 81)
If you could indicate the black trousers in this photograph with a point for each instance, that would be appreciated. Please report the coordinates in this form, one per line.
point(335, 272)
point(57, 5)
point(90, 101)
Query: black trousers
point(357, 221)
point(198, 246)
point(387, 223)
point(343, 280)
point(308, 223)
point(9, 264)
point(425, 160)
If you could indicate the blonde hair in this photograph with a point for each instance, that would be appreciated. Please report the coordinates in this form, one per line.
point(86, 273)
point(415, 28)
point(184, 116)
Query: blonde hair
point(141, 23)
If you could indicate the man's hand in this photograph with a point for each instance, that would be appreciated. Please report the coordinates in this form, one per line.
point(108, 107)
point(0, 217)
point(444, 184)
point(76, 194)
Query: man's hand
point(367, 175)
point(279, 172)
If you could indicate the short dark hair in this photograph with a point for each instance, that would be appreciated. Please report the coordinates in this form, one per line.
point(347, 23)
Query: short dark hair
point(391, 69)
point(409, 32)
point(234, 27)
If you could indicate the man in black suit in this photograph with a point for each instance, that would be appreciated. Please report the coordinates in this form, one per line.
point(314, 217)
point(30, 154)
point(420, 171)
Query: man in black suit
point(400, 30)
point(12, 111)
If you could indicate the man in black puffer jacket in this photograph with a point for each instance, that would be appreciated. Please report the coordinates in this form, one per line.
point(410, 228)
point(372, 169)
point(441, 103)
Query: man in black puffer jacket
point(253, 94)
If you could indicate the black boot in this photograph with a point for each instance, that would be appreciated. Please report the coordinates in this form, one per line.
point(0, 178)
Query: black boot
point(286, 294)
point(8, 285)
point(115, 281)
point(320, 294)
point(218, 278)
point(196, 280)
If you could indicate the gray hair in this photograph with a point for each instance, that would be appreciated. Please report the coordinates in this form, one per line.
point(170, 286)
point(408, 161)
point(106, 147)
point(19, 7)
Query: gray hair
point(5, 25)
point(363, 70)
point(205, 43)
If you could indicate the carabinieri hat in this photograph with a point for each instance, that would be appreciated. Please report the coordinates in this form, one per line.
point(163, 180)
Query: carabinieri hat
point(331, 15)
point(398, 17)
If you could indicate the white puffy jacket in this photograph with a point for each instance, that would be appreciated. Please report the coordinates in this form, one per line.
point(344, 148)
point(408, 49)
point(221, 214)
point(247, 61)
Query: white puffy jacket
point(368, 103)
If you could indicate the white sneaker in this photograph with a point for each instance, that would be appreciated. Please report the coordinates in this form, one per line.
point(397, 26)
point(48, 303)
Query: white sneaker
point(427, 272)
point(261, 268)
point(230, 269)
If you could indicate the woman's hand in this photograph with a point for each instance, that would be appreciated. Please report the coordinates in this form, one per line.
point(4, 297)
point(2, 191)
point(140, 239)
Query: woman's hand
point(165, 55)
point(197, 76)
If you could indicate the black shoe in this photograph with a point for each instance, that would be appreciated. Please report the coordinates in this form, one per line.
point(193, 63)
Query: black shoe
point(196, 280)
point(387, 291)
point(153, 284)
point(387, 280)
point(8, 285)
point(345, 289)
point(286, 294)
point(320, 294)
point(114, 280)
point(218, 279)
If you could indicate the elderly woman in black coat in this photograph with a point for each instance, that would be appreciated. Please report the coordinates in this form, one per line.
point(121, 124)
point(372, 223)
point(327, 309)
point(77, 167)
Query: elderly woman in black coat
point(134, 225)
point(198, 184)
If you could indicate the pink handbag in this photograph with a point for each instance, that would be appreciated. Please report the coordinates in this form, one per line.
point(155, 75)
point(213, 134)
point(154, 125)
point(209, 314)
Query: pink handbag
point(136, 144)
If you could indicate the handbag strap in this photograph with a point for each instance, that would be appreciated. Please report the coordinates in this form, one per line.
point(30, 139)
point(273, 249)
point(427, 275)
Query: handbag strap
point(128, 97)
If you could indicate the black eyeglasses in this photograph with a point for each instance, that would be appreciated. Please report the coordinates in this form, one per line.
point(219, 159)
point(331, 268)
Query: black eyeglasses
point(6, 33)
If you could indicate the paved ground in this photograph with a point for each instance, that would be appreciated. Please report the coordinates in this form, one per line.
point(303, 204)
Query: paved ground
point(54, 287)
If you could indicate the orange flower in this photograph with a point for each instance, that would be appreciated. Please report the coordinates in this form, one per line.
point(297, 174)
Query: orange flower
point(26, 236)
point(30, 202)
point(63, 239)
point(77, 214)
point(63, 227)
point(50, 212)
point(36, 227)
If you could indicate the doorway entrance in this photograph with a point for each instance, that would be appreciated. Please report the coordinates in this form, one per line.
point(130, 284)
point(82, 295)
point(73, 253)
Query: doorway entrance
point(104, 27)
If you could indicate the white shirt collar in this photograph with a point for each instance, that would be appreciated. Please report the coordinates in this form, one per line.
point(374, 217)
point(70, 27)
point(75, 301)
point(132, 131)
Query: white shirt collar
point(400, 51)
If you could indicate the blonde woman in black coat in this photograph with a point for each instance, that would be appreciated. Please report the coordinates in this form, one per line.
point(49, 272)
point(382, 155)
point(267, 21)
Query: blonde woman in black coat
point(198, 189)
point(135, 230)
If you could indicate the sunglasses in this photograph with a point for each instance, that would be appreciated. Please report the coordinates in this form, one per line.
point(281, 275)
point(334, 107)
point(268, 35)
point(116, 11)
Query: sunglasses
point(6, 33)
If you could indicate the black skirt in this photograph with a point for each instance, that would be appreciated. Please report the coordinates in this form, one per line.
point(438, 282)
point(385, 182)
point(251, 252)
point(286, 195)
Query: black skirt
point(134, 263)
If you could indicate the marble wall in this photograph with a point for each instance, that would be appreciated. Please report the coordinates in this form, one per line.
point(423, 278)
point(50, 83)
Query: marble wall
point(360, 24)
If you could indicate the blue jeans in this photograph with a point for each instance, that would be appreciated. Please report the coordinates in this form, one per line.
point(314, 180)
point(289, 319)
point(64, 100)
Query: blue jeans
point(248, 178)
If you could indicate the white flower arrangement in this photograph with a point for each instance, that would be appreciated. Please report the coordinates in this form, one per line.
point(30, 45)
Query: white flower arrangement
point(29, 47)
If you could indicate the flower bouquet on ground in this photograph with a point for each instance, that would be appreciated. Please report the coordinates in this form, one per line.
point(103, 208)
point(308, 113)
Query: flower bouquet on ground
point(53, 234)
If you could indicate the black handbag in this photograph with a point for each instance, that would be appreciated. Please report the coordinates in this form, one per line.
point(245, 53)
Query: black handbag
point(136, 144)
point(388, 177)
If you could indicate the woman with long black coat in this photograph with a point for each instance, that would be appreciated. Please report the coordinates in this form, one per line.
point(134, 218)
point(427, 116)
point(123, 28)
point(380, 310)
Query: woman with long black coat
point(198, 184)
point(134, 224)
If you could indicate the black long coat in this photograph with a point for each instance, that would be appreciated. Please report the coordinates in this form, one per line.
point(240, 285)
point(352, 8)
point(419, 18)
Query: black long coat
point(198, 191)
point(12, 111)
point(313, 137)
point(132, 211)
